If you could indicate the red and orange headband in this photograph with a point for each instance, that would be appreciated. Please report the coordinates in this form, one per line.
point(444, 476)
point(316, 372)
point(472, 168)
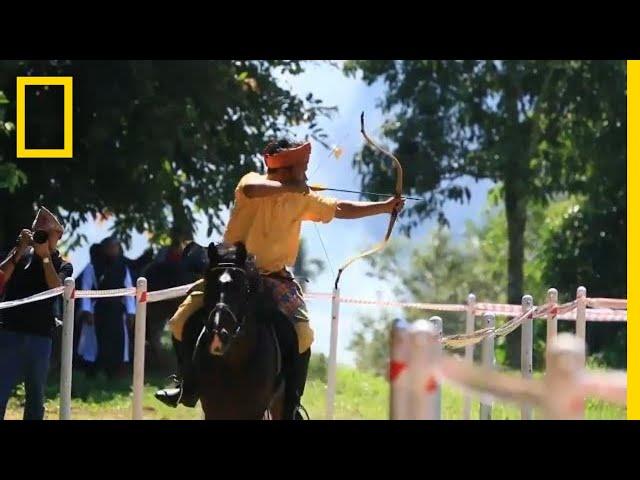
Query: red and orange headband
point(288, 157)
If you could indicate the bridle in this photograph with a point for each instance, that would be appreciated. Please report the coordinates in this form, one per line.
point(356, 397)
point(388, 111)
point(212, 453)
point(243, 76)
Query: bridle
point(222, 308)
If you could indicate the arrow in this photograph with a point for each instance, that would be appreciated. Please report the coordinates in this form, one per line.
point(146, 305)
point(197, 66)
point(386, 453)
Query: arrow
point(317, 188)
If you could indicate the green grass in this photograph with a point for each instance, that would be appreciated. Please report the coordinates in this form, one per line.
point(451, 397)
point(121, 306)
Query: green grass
point(101, 399)
point(360, 395)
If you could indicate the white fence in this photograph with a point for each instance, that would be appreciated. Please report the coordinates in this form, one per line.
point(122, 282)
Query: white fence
point(419, 367)
point(69, 295)
point(581, 310)
point(416, 376)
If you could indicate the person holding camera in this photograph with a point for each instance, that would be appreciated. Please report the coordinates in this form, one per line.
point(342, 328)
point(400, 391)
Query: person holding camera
point(26, 331)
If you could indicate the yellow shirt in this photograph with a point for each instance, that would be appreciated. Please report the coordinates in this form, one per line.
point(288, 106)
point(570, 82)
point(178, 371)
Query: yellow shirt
point(270, 226)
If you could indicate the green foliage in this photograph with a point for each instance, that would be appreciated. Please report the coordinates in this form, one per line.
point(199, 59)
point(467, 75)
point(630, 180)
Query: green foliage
point(10, 176)
point(589, 244)
point(318, 367)
point(370, 343)
point(444, 271)
point(154, 141)
point(532, 122)
point(539, 128)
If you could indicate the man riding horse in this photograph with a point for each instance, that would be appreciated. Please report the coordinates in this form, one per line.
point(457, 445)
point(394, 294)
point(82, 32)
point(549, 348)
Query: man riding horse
point(266, 219)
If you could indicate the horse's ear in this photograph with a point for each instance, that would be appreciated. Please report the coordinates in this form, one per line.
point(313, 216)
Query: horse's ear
point(188, 248)
point(241, 253)
point(214, 256)
point(193, 257)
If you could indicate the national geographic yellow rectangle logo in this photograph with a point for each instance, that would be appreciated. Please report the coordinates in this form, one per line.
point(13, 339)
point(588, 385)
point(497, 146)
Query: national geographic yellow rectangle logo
point(67, 150)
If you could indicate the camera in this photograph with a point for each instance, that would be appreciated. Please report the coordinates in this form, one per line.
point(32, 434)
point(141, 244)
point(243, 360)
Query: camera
point(40, 236)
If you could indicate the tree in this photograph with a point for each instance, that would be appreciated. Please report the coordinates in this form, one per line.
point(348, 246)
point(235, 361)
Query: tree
point(10, 176)
point(370, 343)
point(530, 125)
point(154, 141)
point(445, 271)
point(589, 245)
point(589, 248)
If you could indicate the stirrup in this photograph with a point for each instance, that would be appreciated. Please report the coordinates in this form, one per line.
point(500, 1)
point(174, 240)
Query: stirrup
point(171, 400)
point(172, 381)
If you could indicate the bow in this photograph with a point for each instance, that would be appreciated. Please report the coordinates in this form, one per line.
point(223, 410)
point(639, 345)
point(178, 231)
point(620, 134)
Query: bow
point(394, 214)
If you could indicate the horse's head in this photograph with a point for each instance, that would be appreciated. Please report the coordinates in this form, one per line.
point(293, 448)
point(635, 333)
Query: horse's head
point(231, 280)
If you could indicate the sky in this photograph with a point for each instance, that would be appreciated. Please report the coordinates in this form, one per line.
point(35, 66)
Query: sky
point(341, 238)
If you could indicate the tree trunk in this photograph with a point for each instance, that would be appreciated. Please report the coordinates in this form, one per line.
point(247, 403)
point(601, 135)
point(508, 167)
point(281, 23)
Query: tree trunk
point(181, 227)
point(516, 211)
point(182, 223)
point(517, 152)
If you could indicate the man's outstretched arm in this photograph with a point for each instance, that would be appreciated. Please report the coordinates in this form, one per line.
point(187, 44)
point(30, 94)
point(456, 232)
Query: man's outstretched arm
point(352, 210)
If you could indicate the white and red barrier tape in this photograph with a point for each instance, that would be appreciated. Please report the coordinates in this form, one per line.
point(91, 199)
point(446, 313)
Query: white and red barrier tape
point(54, 292)
point(156, 296)
point(169, 293)
point(599, 315)
point(114, 292)
point(613, 303)
point(565, 312)
point(441, 307)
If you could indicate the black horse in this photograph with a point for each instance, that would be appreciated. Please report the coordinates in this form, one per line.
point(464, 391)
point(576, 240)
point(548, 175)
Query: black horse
point(236, 352)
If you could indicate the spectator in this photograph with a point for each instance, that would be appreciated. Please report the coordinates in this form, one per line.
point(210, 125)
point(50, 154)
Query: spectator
point(26, 331)
point(112, 317)
point(87, 280)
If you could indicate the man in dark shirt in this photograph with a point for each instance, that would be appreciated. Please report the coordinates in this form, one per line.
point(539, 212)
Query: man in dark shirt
point(26, 331)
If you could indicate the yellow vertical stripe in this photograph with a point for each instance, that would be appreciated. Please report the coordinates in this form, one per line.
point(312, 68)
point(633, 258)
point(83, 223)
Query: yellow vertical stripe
point(633, 239)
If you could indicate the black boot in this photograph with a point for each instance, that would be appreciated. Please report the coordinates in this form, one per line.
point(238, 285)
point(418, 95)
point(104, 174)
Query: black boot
point(183, 389)
point(296, 378)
